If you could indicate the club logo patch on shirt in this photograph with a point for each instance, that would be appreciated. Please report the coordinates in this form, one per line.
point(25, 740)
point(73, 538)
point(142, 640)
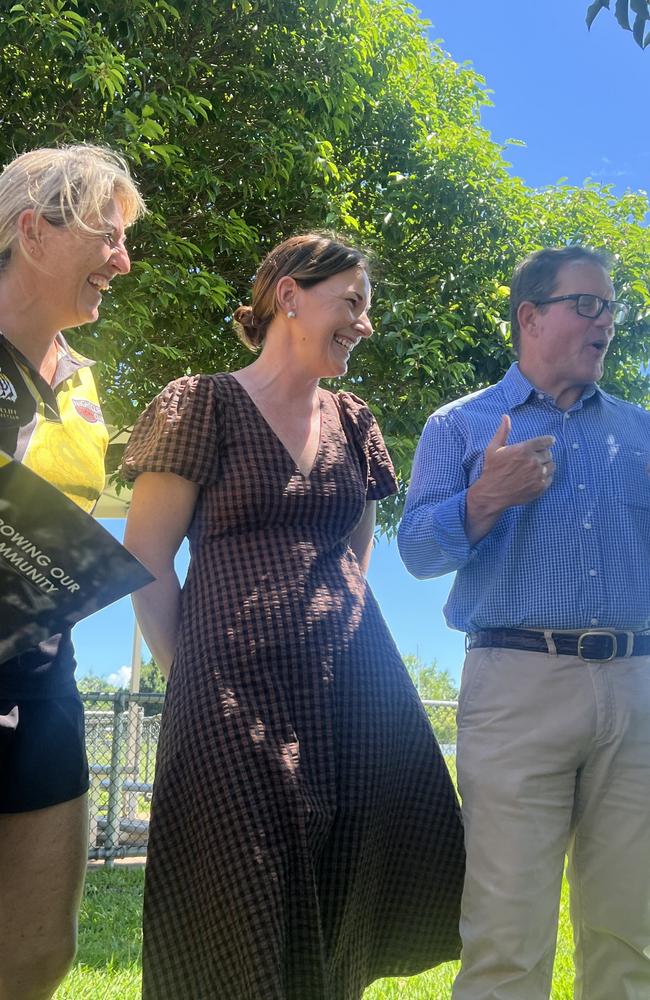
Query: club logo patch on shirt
point(7, 389)
point(89, 411)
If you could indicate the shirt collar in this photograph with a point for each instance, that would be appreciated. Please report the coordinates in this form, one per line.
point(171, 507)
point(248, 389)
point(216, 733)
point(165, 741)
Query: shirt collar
point(68, 360)
point(517, 389)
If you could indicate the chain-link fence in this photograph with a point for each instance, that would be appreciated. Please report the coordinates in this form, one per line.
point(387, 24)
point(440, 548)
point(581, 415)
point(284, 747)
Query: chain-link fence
point(121, 741)
point(442, 716)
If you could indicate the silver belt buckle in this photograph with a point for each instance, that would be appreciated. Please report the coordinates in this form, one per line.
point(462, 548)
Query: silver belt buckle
point(602, 659)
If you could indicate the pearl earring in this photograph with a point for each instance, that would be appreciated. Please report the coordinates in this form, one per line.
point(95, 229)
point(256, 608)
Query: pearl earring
point(291, 314)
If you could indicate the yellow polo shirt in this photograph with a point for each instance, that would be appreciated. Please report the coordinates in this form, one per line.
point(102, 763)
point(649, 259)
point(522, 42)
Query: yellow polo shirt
point(56, 430)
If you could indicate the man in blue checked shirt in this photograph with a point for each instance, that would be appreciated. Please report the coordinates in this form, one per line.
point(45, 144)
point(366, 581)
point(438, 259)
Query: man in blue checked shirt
point(536, 492)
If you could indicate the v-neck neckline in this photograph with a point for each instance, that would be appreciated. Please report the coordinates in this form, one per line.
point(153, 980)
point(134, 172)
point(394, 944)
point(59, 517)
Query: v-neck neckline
point(276, 436)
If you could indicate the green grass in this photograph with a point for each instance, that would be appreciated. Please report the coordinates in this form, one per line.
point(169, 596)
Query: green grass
point(110, 939)
point(108, 963)
point(436, 985)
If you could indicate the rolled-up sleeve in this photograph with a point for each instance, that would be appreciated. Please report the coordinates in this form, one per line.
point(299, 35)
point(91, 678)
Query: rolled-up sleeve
point(432, 539)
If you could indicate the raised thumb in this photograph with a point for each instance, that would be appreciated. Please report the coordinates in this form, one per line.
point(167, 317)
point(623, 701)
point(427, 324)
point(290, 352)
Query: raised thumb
point(502, 434)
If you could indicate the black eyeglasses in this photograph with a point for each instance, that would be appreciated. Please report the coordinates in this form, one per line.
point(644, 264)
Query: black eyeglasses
point(591, 306)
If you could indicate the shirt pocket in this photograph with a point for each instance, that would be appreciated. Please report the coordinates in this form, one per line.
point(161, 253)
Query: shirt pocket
point(637, 501)
point(625, 481)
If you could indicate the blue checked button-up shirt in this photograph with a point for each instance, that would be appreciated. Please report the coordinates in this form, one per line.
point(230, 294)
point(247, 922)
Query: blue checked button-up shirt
point(578, 557)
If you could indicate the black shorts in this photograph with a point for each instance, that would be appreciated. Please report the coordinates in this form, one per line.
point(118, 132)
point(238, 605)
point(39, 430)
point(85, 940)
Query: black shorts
point(43, 759)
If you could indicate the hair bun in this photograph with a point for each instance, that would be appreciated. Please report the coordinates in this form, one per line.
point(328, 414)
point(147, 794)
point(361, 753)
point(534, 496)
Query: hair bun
point(245, 316)
point(250, 329)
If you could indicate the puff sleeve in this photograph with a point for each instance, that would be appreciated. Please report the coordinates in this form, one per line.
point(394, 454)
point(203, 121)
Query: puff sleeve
point(363, 432)
point(178, 432)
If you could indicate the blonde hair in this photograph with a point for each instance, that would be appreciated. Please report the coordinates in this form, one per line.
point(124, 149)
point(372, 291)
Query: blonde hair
point(67, 186)
point(308, 259)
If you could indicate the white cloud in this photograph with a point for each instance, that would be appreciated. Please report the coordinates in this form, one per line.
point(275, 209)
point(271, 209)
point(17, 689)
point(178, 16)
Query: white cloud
point(121, 678)
point(607, 172)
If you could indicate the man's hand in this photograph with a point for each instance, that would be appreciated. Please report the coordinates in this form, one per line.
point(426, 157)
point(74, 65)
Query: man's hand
point(516, 473)
point(512, 474)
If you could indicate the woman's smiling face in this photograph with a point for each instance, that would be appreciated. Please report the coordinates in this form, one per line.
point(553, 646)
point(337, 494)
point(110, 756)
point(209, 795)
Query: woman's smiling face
point(331, 319)
point(73, 268)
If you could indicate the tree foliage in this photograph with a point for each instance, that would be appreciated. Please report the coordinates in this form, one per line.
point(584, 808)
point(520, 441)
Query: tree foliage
point(248, 120)
point(432, 683)
point(93, 684)
point(151, 682)
point(633, 15)
point(151, 678)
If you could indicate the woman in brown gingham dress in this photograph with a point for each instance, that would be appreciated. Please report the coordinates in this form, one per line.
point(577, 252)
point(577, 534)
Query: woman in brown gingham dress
point(305, 835)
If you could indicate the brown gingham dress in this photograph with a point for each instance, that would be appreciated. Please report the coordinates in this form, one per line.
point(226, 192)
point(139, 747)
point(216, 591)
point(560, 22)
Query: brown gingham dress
point(305, 835)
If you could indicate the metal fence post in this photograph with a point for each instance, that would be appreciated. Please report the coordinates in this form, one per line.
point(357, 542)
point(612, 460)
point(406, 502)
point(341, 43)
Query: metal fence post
point(112, 841)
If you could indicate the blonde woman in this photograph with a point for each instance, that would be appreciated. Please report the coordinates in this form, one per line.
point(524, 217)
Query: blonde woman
point(63, 215)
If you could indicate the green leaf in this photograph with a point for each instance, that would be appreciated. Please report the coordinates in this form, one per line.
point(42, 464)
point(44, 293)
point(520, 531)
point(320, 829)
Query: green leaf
point(594, 9)
point(638, 29)
point(621, 14)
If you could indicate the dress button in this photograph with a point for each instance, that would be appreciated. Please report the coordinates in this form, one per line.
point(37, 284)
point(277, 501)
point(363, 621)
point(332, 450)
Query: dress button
point(540, 395)
point(585, 524)
point(567, 416)
point(594, 621)
point(581, 486)
point(575, 445)
point(593, 572)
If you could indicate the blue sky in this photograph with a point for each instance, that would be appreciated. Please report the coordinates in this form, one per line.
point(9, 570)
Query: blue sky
point(577, 99)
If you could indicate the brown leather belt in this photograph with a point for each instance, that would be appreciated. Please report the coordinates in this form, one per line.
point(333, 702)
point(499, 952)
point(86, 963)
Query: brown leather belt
point(590, 645)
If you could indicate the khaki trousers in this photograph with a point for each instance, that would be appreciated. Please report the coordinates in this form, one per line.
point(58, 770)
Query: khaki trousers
point(554, 757)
